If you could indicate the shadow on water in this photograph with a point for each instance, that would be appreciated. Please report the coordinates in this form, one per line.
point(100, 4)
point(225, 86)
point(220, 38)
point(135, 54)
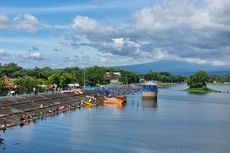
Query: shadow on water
point(150, 103)
point(2, 145)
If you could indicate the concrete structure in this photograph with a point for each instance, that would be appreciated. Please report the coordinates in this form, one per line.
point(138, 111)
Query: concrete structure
point(149, 90)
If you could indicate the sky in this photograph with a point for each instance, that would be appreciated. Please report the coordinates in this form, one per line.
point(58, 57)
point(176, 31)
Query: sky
point(84, 33)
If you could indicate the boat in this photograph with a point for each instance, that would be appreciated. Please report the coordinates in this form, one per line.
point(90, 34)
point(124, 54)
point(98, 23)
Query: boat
point(88, 103)
point(119, 100)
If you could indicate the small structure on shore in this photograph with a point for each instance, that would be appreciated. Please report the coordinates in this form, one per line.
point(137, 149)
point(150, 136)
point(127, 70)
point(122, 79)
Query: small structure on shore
point(149, 90)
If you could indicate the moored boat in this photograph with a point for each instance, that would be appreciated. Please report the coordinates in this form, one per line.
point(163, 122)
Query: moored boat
point(119, 100)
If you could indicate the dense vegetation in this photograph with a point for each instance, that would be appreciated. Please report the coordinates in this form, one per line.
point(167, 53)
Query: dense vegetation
point(14, 77)
point(164, 77)
point(220, 78)
point(198, 83)
point(198, 80)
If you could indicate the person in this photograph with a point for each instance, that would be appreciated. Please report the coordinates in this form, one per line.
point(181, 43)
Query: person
point(107, 93)
point(22, 118)
point(34, 90)
point(28, 117)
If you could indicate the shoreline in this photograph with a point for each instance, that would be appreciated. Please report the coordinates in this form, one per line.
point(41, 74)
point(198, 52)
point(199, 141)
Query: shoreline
point(201, 90)
point(25, 109)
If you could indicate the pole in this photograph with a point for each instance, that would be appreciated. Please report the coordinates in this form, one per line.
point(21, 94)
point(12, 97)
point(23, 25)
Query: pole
point(84, 78)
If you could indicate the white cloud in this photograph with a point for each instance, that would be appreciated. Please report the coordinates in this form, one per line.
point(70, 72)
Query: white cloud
point(183, 13)
point(160, 54)
point(104, 60)
point(3, 53)
point(26, 22)
point(118, 43)
point(33, 55)
point(219, 63)
point(3, 22)
point(85, 24)
point(169, 14)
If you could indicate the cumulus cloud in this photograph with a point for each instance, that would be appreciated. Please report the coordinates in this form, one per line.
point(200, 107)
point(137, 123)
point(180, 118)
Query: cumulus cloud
point(85, 24)
point(3, 53)
point(183, 13)
point(33, 54)
point(3, 22)
point(26, 22)
point(186, 30)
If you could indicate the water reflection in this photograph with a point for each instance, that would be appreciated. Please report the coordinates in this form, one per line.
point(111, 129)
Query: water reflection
point(119, 107)
point(149, 103)
point(2, 145)
point(182, 123)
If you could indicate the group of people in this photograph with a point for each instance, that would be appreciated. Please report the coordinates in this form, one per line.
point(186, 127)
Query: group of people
point(28, 117)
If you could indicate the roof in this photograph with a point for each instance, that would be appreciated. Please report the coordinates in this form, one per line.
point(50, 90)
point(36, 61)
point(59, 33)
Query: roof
point(150, 83)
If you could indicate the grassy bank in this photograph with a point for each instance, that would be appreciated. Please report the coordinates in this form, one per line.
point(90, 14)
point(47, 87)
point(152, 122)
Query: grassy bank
point(200, 90)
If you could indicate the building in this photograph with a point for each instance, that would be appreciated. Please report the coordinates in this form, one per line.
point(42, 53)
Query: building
point(113, 76)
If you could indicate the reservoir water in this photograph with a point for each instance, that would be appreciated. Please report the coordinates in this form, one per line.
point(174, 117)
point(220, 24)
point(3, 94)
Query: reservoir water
point(178, 123)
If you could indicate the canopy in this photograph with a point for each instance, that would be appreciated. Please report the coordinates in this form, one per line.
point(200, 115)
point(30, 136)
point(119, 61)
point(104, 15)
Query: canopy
point(150, 83)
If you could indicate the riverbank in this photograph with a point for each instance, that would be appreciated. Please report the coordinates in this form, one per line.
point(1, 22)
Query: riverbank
point(24, 109)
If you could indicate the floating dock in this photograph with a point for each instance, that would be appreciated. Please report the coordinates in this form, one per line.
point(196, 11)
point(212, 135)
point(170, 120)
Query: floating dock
point(23, 109)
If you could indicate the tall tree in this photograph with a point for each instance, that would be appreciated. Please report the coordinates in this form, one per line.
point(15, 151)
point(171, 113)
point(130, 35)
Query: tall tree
point(198, 80)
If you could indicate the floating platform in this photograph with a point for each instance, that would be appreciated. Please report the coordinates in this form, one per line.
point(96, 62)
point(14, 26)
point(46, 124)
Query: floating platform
point(23, 109)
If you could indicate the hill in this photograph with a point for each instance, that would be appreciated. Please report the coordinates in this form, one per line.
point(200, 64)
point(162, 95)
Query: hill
point(176, 67)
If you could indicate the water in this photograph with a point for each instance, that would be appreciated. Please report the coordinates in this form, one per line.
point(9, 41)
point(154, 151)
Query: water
point(178, 123)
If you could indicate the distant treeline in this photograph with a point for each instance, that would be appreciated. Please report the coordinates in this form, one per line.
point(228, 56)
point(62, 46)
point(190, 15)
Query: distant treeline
point(164, 77)
point(14, 77)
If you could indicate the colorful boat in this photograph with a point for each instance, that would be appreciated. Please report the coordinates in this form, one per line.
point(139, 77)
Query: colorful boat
point(120, 100)
point(88, 103)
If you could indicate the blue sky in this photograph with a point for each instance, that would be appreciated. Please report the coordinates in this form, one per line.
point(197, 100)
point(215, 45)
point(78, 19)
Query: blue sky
point(114, 32)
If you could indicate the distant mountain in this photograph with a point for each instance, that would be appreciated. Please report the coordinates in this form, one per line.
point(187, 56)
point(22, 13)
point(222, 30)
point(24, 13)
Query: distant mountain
point(176, 67)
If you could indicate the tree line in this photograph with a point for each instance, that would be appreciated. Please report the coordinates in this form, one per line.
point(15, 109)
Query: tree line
point(24, 80)
point(15, 77)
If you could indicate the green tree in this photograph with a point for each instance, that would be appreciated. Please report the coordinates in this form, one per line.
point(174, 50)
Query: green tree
point(128, 77)
point(11, 70)
point(95, 75)
point(61, 79)
point(26, 84)
point(198, 80)
point(6, 85)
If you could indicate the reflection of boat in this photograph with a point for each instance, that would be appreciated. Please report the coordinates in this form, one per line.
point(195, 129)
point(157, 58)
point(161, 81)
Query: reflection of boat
point(147, 103)
point(120, 107)
point(149, 90)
